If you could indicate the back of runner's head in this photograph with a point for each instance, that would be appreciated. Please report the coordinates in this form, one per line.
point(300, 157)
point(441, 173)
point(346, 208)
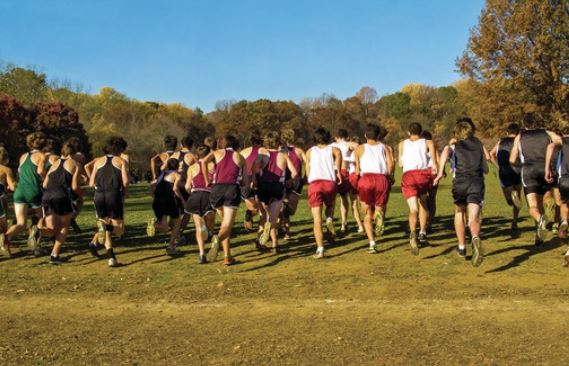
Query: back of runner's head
point(115, 146)
point(342, 134)
point(356, 139)
point(463, 130)
point(36, 140)
point(255, 139)
point(373, 132)
point(68, 148)
point(288, 136)
point(75, 142)
point(203, 151)
point(322, 136)
point(467, 120)
point(210, 142)
point(415, 129)
point(4, 159)
point(170, 143)
point(513, 129)
point(230, 141)
point(426, 135)
point(172, 164)
point(187, 142)
point(272, 140)
point(49, 146)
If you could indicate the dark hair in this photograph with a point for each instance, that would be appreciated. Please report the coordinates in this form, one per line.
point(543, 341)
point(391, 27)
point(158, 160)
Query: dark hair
point(288, 136)
point(36, 140)
point(342, 133)
point(187, 142)
point(373, 132)
point(463, 130)
point(426, 135)
point(210, 142)
point(170, 142)
point(513, 129)
point(230, 141)
point(49, 146)
point(115, 146)
point(203, 151)
point(467, 120)
point(172, 164)
point(356, 139)
point(415, 129)
point(75, 142)
point(322, 136)
point(68, 148)
point(255, 138)
point(272, 140)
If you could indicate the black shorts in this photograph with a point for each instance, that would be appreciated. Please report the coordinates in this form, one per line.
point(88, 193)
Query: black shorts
point(225, 195)
point(295, 187)
point(563, 184)
point(166, 206)
point(533, 179)
point(467, 190)
point(509, 177)
point(199, 204)
point(109, 205)
point(268, 192)
point(57, 206)
point(247, 193)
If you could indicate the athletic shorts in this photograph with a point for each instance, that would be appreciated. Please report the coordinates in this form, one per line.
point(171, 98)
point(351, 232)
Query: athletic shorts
point(353, 180)
point(563, 184)
point(373, 189)
point(109, 205)
point(185, 195)
point(322, 192)
point(468, 190)
point(30, 195)
point(225, 195)
point(509, 177)
point(166, 206)
point(199, 204)
point(247, 193)
point(57, 206)
point(295, 186)
point(533, 179)
point(416, 183)
point(268, 192)
point(344, 187)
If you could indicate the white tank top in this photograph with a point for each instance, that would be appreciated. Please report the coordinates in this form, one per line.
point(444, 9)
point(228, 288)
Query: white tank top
point(373, 160)
point(321, 164)
point(415, 155)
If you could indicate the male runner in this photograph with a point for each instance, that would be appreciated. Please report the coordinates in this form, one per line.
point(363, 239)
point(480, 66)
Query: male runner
point(158, 160)
point(7, 182)
point(248, 193)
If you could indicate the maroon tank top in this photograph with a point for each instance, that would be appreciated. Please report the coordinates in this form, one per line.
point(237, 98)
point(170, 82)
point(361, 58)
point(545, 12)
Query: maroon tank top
point(198, 182)
point(271, 172)
point(226, 171)
point(295, 161)
point(250, 160)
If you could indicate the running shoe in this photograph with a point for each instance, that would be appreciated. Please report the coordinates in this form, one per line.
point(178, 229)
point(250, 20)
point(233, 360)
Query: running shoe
point(516, 200)
point(538, 242)
point(461, 252)
point(265, 234)
point(229, 261)
point(343, 228)
point(4, 247)
point(214, 250)
point(330, 226)
point(113, 262)
point(318, 255)
point(248, 222)
point(100, 232)
point(477, 255)
point(414, 243)
point(172, 251)
point(372, 249)
point(151, 227)
point(379, 223)
point(360, 229)
point(93, 250)
point(541, 227)
point(202, 259)
point(423, 238)
point(55, 260)
point(563, 229)
point(555, 228)
point(33, 238)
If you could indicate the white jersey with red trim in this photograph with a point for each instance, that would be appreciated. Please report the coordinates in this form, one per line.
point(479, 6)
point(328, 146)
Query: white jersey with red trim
point(415, 155)
point(373, 160)
point(321, 164)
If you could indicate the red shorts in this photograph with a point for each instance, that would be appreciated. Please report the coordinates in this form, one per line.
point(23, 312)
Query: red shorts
point(353, 179)
point(416, 183)
point(344, 187)
point(373, 189)
point(322, 192)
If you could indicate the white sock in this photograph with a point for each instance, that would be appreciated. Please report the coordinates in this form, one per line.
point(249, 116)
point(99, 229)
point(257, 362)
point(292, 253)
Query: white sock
point(372, 243)
point(320, 250)
point(461, 246)
point(329, 219)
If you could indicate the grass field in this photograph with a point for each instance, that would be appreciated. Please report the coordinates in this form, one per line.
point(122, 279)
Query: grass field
point(352, 308)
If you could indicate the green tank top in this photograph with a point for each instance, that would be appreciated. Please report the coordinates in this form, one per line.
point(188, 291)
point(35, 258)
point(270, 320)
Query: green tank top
point(28, 173)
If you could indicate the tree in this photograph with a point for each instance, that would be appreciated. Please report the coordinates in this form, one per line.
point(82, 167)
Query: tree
point(27, 86)
point(518, 55)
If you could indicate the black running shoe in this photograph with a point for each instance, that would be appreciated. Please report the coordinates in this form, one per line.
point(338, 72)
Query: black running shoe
point(422, 238)
point(93, 250)
point(203, 259)
point(461, 252)
point(55, 260)
point(538, 242)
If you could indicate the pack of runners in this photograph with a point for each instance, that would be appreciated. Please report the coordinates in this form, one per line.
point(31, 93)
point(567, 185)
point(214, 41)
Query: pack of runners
point(211, 180)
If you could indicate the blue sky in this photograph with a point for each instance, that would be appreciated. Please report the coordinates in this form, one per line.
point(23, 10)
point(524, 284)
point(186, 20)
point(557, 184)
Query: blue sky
point(199, 52)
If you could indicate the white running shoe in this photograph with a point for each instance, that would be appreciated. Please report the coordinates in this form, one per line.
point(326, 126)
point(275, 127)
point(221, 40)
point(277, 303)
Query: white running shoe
point(113, 262)
point(214, 250)
point(266, 234)
point(318, 255)
point(477, 254)
point(100, 232)
point(330, 226)
point(414, 243)
point(151, 227)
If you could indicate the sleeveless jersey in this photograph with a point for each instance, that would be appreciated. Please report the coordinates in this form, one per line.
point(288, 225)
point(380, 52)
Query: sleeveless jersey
point(415, 155)
point(271, 173)
point(164, 188)
point(28, 173)
point(109, 177)
point(468, 158)
point(250, 160)
point(59, 182)
point(291, 152)
point(198, 181)
point(321, 164)
point(373, 160)
point(226, 171)
point(533, 146)
point(563, 159)
point(344, 149)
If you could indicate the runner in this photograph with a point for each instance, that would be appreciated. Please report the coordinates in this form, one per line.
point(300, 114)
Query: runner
point(109, 176)
point(323, 166)
point(28, 192)
point(417, 180)
point(374, 166)
point(7, 182)
point(469, 158)
point(198, 204)
point(510, 179)
point(269, 175)
point(341, 142)
point(185, 158)
point(167, 198)
point(293, 186)
point(225, 192)
point(78, 198)
point(157, 161)
point(530, 148)
point(432, 196)
point(249, 194)
point(353, 178)
point(61, 179)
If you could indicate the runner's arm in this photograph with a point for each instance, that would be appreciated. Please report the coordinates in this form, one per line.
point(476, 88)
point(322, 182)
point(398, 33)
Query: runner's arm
point(493, 153)
point(485, 161)
point(400, 153)
point(293, 172)
point(205, 162)
point(555, 138)
point(10, 179)
point(432, 151)
point(337, 163)
point(514, 154)
point(548, 157)
point(443, 160)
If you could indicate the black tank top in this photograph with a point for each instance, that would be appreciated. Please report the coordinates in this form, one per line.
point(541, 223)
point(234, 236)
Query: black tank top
point(564, 154)
point(504, 150)
point(533, 146)
point(469, 160)
point(183, 165)
point(164, 188)
point(59, 183)
point(109, 177)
